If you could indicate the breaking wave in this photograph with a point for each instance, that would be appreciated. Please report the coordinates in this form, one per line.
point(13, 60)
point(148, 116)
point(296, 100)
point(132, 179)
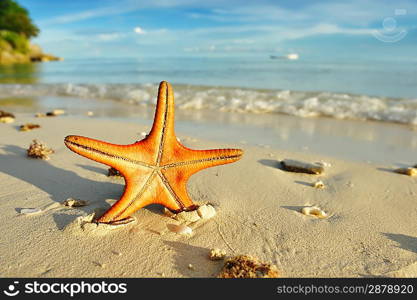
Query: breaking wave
point(297, 103)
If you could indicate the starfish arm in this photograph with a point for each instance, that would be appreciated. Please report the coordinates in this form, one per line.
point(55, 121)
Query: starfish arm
point(176, 175)
point(196, 160)
point(132, 198)
point(163, 126)
point(124, 158)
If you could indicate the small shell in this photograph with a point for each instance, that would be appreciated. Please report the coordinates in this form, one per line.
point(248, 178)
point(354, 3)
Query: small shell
point(6, 120)
point(206, 211)
point(55, 112)
point(112, 172)
point(90, 113)
point(28, 126)
point(181, 229)
point(71, 202)
point(217, 254)
point(168, 213)
point(314, 211)
point(407, 171)
point(319, 184)
point(6, 117)
point(30, 211)
point(39, 150)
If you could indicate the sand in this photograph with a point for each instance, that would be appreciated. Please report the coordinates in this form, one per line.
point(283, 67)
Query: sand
point(370, 228)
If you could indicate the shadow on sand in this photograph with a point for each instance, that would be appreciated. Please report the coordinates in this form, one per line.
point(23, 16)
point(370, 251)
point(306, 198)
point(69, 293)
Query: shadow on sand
point(186, 254)
point(405, 242)
point(60, 184)
point(272, 163)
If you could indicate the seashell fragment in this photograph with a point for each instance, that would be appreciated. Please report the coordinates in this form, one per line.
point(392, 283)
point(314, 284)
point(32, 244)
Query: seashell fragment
point(168, 213)
point(206, 211)
point(39, 150)
point(244, 266)
point(216, 254)
point(71, 202)
point(30, 211)
point(181, 229)
point(313, 211)
point(301, 167)
point(28, 126)
point(55, 112)
point(113, 172)
point(6, 117)
point(407, 171)
point(318, 184)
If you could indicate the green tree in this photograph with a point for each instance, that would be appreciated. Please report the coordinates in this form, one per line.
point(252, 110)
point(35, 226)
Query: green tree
point(15, 18)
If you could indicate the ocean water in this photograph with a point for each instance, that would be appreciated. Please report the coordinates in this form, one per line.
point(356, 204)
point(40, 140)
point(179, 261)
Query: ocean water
point(366, 90)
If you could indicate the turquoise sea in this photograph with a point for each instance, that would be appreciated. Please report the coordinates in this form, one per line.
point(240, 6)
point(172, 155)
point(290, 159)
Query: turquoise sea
point(383, 90)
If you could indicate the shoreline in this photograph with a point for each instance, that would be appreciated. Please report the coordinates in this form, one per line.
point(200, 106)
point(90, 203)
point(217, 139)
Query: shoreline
point(369, 230)
point(372, 142)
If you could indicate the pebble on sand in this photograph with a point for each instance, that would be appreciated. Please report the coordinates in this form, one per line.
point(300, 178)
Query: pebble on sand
point(71, 202)
point(29, 126)
point(181, 229)
point(112, 172)
point(301, 167)
point(244, 266)
point(318, 184)
point(313, 211)
point(39, 150)
point(216, 254)
point(30, 211)
point(6, 117)
point(407, 171)
point(206, 211)
point(55, 112)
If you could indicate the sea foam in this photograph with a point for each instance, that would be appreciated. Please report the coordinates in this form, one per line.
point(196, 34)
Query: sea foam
point(297, 103)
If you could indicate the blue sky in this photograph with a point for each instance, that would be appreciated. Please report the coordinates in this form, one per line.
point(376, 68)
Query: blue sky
point(133, 28)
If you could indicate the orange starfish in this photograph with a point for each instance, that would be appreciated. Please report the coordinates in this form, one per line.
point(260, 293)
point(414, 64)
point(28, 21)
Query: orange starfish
point(157, 168)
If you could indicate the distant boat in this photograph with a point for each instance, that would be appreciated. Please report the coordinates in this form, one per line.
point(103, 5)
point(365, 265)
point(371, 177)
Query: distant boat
point(291, 56)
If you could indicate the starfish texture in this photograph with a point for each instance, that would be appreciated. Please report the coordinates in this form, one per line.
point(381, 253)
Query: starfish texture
point(157, 168)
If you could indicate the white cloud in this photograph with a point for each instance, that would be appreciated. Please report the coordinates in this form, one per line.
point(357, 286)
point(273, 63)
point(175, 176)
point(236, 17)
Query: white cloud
point(109, 36)
point(139, 30)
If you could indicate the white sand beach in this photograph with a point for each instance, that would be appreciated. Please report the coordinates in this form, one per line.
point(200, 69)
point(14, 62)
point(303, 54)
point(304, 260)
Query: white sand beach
point(370, 229)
